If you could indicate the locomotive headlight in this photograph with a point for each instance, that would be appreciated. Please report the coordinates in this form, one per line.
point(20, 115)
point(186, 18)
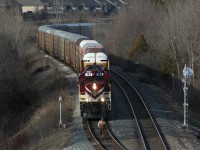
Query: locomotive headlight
point(102, 99)
point(94, 86)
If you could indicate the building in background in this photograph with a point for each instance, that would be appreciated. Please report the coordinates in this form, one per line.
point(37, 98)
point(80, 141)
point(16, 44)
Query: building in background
point(33, 6)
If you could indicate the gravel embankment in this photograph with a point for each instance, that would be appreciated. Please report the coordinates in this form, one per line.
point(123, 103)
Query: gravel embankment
point(78, 139)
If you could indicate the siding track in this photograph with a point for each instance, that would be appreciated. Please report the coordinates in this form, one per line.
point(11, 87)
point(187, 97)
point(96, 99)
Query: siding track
point(150, 135)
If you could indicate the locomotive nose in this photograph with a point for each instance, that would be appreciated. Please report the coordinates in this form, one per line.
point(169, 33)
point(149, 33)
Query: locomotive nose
point(94, 87)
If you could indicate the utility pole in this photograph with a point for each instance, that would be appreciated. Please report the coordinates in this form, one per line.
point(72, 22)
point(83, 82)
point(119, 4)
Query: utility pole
point(58, 4)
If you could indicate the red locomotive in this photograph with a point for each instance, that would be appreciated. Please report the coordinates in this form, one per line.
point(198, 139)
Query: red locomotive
point(88, 58)
point(94, 80)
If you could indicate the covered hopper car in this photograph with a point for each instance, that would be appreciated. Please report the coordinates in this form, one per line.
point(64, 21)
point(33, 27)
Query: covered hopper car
point(88, 58)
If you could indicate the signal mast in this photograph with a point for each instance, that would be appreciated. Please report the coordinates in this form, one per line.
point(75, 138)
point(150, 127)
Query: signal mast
point(187, 73)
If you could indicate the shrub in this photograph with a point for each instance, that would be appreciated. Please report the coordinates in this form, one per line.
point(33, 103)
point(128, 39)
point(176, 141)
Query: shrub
point(167, 65)
point(140, 45)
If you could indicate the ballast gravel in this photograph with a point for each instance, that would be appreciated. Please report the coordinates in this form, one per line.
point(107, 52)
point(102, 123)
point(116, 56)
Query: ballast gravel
point(78, 139)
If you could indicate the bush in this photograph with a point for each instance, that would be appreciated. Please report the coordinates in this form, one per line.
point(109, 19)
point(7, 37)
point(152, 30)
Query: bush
point(167, 65)
point(140, 45)
point(17, 93)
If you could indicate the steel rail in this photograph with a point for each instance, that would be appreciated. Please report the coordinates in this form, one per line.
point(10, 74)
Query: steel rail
point(154, 124)
point(136, 119)
point(113, 138)
point(94, 137)
point(108, 143)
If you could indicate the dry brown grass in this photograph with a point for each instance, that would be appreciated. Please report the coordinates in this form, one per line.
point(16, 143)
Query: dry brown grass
point(41, 131)
point(42, 128)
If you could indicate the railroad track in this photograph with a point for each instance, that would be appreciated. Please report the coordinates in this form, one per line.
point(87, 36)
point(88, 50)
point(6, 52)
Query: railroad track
point(108, 143)
point(149, 133)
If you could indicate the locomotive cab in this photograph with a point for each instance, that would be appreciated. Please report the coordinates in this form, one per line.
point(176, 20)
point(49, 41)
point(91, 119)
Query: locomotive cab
point(94, 92)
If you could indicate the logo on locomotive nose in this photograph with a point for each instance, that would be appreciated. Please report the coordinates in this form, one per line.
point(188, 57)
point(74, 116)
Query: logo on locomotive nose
point(94, 93)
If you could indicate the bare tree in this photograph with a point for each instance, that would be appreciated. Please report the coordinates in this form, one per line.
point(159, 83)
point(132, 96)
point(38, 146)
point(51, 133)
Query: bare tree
point(14, 28)
point(183, 32)
point(15, 89)
point(131, 23)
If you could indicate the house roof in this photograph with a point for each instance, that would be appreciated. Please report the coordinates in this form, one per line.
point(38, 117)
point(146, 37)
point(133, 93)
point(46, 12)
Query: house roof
point(30, 2)
point(102, 1)
point(82, 2)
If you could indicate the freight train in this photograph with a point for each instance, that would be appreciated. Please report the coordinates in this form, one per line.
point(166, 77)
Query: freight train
point(88, 58)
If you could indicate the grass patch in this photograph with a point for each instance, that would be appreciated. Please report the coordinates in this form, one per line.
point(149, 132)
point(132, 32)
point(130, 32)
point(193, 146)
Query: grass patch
point(41, 130)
